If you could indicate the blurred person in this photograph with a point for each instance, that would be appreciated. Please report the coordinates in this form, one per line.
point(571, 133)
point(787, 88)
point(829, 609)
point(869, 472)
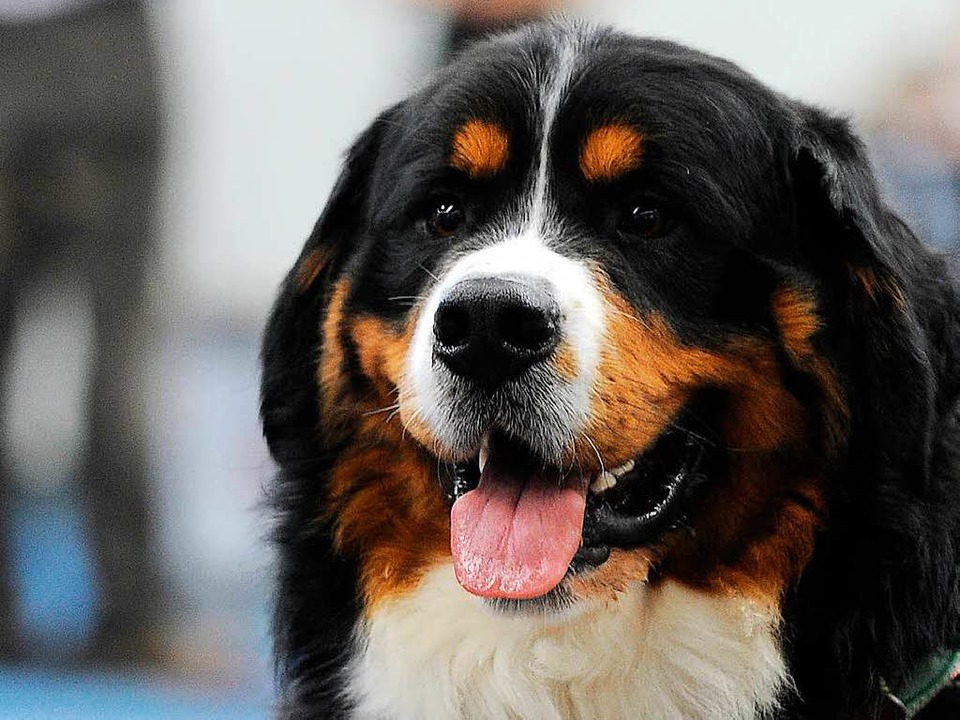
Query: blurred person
point(79, 140)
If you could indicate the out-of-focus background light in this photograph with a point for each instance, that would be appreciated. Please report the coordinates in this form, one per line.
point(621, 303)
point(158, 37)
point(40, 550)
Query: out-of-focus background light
point(161, 164)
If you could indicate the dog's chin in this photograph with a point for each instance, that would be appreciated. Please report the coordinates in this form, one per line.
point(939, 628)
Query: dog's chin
point(559, 602)
point(630, 508)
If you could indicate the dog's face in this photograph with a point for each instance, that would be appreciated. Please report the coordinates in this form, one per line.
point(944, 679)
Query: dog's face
point(567, 319)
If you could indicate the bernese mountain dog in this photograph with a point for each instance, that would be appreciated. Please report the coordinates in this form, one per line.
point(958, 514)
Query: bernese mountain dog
point(608, 386)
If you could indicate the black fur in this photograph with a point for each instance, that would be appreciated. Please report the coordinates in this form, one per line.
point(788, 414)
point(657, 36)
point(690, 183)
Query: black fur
point(883, 589)
point(765, 191)
point(317, 602)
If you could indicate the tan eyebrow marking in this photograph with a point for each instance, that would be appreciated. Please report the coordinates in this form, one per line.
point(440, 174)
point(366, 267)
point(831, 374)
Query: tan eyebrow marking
point(480, 148)
point(610, 151)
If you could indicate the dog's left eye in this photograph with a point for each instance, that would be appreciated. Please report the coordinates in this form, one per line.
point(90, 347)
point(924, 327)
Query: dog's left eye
point(446, 218)
point(644, 220)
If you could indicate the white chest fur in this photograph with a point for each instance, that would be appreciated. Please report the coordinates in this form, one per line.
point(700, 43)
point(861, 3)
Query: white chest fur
point(666, 652)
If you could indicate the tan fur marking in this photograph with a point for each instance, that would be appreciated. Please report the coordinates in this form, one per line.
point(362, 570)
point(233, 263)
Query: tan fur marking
point(877, 285)
point(330, 365)
point(645, 377)
point(389, 510)
point(383, 496)
point(754, 531)
point(610, 151)
point(397, 517)
point(622, 569)
point(480, 148)
point(311, 267)
point(565, 362)
point(797, 317)
point(753, 537)
point(382, 351)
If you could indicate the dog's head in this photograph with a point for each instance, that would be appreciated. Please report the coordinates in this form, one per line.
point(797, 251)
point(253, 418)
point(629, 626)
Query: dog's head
point(587, 311)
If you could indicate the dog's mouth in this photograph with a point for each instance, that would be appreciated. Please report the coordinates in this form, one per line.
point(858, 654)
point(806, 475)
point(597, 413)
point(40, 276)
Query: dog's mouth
point(519, 526)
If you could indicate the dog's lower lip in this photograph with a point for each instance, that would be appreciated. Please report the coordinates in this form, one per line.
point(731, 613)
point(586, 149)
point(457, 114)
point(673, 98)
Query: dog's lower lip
point(608, 527)
point(589, 556)
point(660, 480)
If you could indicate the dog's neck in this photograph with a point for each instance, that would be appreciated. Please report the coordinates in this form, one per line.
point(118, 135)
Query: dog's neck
point(662, 651)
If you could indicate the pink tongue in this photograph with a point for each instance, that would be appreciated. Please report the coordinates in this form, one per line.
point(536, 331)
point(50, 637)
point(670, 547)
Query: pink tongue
point(514, 536)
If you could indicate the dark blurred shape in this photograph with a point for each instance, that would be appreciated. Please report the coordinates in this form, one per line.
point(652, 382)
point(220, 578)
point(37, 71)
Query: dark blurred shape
point(79, 146)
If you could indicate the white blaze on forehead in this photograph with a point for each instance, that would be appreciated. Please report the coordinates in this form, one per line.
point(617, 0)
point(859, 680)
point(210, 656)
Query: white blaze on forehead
point(550, 100)
point(521, 248)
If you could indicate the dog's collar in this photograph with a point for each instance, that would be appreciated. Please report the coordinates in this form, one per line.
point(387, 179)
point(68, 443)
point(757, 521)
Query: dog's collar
point(937, 671)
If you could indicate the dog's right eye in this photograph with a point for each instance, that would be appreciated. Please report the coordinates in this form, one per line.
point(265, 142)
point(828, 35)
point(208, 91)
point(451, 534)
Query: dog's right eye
point(645, 220)
point(446, 218)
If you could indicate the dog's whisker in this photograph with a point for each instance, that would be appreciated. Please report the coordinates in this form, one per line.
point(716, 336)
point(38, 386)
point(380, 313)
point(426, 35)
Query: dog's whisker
point(595, 450)
point(427, 271)
point(388, 408)
point(392, 415)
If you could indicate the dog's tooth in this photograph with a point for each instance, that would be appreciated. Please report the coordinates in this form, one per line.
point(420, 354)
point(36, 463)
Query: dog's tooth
point(484, 451)
point(623, 469)
point(603, 483)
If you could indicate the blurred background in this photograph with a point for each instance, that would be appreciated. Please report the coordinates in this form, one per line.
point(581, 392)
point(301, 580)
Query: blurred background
point(161, 164)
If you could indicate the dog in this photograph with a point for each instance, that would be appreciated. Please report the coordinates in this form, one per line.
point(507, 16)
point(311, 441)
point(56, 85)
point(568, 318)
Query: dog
point(608, 386)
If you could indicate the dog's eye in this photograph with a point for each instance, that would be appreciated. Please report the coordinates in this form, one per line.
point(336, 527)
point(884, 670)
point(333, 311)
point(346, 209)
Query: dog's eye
point(644, 220)
point(446, 218)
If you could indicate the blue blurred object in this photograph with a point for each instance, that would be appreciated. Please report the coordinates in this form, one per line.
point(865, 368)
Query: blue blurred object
point(53, 574)
point(924, 185)
point(39, 695)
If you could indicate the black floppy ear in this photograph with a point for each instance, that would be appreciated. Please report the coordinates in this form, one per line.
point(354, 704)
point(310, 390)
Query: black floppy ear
point(291, 345)
point(878, 272)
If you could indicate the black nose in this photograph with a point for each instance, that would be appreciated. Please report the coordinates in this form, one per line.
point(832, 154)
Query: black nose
point(491, 329)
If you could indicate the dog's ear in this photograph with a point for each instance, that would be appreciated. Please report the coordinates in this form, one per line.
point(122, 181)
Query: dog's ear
point(289, 400)
point(874, 265)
